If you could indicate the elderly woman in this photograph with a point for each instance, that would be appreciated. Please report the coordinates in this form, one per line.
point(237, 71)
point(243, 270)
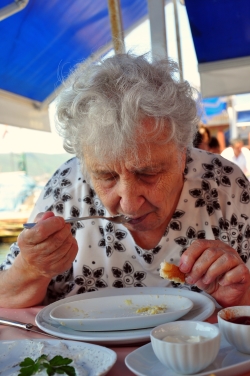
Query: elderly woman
point(131, 125)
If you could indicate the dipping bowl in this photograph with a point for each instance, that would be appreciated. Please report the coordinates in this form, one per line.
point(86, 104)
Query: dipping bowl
point(186, 358)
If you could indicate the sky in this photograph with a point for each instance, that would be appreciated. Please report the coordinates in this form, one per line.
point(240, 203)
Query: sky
point(19, 140)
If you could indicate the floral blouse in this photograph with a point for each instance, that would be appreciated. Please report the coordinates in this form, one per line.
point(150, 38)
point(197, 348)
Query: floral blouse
point(214, 204)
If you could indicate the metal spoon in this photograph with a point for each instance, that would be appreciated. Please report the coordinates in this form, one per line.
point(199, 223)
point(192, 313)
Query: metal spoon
point(116, 219)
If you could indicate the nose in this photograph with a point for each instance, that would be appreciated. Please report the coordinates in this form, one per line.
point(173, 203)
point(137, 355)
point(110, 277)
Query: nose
point(131, 197)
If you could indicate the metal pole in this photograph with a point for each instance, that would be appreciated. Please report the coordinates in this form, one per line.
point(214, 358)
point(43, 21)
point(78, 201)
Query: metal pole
point(178, 39)
point(116, 25)
point(12, 8)
point(232, 117)
point(157, 27)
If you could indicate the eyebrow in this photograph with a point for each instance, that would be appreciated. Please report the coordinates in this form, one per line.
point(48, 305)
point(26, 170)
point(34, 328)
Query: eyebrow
point(140, 170)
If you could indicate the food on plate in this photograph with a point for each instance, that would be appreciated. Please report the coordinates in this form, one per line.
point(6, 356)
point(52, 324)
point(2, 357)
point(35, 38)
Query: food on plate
point(152, 310)
point(148, 309)
point(171, 272)
point(128, 302)
point(42, 365)
point(42, 358)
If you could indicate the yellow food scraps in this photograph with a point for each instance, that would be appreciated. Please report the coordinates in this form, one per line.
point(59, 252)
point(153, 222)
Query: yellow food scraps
point(128, 302)
point(152, 310)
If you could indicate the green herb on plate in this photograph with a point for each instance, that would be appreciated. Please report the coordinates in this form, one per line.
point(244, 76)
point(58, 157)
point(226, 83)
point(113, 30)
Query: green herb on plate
point(58, 364)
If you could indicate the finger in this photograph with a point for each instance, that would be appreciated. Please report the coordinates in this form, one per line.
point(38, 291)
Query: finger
point(193, 252)
point(42, 216)
point(50, 262)
point(54, 241)
point(67, 254)
point(213, 263)
point(229, 289)
point(70, 255)
point(38, 217)
point(44, 229)
point(62, 253)
point(237, 275)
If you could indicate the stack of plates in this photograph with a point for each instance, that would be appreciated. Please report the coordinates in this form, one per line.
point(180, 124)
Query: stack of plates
point(112, 316)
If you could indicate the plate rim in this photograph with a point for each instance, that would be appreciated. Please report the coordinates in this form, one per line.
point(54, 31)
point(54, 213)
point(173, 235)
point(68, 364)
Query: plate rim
point(133, 336)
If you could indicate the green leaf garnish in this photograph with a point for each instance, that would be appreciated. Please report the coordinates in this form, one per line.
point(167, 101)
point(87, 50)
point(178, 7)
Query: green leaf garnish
point(58, 364)
point(58, 360)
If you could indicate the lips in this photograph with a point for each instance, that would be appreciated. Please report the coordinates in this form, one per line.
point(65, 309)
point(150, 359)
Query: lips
point(135, 221)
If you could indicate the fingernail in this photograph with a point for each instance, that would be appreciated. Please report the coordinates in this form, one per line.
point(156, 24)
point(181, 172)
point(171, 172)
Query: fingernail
point(189, 280)
point(184, 267)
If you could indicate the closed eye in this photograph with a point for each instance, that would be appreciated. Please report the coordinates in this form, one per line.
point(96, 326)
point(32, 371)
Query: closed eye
point(150, 178)
point(105, 177)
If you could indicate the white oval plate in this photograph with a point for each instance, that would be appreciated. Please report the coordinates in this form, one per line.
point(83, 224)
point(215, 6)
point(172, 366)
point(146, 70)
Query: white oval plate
point(121, 312)
point(91, 360)
point(202, 309)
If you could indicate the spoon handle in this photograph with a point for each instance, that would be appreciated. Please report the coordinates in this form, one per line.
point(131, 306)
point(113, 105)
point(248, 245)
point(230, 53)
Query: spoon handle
point(70, 220)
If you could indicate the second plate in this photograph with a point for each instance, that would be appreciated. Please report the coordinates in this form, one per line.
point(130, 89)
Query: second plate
point(202, 309)
point(121, 312)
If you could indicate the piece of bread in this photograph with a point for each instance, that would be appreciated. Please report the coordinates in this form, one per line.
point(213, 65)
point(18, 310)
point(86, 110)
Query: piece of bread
point(171, 272)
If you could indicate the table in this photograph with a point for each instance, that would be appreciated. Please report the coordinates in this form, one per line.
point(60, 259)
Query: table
point(28, 315)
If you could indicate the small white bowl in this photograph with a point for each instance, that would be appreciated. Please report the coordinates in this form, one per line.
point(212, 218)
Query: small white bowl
point(237, 335)
point(186, 358)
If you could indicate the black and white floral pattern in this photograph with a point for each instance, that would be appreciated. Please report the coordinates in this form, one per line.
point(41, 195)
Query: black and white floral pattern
point(175, 223)
point(56, 188)
point(95, 205)
point(111, 239)
point(218, 172)
point(148, 256)
point(191, 235)
point(206, 196)
point(127, 276)
point(243, 183)
point(90, 280)
point(213, 205)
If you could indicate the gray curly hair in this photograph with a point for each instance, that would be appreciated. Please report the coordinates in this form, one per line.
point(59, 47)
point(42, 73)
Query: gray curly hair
point(103, 105)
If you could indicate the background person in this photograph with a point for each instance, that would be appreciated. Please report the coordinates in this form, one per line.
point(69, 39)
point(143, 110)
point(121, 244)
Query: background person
point(239, 154)
point(131, 124)
point(214, 145)
point(202, 138)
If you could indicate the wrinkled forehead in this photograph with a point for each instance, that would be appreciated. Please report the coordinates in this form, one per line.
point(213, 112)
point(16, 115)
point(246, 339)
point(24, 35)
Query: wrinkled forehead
point(141, 139)
point(134, 156)
point(147, 158)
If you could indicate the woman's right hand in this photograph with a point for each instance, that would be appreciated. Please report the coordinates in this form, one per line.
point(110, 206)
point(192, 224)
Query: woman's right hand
point(47, 249)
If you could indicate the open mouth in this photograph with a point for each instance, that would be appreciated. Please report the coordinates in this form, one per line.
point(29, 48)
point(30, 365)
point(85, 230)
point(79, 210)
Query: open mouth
point(135, 221)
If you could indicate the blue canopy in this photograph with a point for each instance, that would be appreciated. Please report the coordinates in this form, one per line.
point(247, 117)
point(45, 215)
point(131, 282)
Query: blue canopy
point(213, 107)
point(243, 116)
point(221, 36)
point(43, 42)
point(40, 44)
point(220, 29)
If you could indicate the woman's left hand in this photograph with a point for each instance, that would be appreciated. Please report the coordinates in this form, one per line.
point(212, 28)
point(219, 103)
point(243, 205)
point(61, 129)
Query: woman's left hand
point(217, 269)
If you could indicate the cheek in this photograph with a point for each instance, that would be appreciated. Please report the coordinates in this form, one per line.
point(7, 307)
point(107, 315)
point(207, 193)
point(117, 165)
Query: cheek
point(108, 197)
point(167, 190)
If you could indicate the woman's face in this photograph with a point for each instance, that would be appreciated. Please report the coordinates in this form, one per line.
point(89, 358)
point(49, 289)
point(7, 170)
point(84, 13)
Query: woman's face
point(147, 191)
